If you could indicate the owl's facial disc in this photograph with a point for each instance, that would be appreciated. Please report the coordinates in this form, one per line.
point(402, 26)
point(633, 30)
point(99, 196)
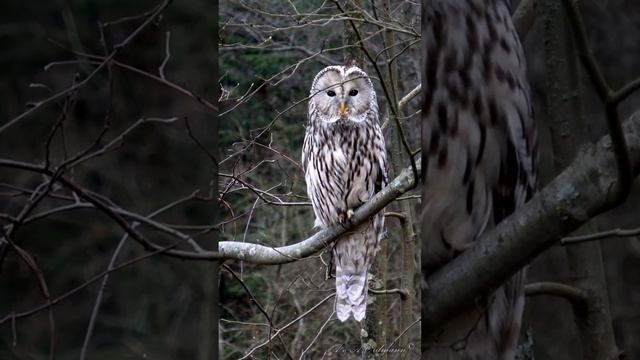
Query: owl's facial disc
point(342, 97)
point(346, 103)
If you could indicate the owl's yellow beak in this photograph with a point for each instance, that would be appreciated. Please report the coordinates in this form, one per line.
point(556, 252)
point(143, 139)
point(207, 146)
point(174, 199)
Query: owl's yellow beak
point(342, 109)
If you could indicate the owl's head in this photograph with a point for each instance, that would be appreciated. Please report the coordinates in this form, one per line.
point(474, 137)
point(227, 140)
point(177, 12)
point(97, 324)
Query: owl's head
point(341, 93)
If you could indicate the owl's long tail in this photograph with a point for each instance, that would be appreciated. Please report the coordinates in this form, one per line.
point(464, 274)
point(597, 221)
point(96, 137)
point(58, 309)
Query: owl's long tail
point(353, 254)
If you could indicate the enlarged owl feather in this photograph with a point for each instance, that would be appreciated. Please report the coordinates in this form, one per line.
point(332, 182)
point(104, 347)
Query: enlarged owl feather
point(344, 160)
point(479, 160)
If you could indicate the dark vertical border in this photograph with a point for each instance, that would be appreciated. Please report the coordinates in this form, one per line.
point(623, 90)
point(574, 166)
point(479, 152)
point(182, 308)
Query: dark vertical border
point(423, 139)
point(216, 264)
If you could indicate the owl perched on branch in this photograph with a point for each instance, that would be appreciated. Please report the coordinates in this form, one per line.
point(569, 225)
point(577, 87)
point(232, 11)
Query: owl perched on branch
point(479, 161)
point(344, 160)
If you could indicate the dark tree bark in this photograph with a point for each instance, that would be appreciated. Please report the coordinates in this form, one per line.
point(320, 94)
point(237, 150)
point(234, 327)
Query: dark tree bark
point(568, 132)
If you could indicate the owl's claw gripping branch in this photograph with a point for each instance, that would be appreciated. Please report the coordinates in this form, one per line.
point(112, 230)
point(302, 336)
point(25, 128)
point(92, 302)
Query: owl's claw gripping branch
point(349, 214)
point(345, 216)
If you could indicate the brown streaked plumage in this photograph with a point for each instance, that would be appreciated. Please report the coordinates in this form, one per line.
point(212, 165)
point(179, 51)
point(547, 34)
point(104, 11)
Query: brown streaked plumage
point(479, 161)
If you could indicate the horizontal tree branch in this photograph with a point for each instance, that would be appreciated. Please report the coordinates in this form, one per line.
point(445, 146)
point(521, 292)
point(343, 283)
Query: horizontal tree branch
point(262, 254)
point(250, 252)
point(571, 293)
point(588, 187)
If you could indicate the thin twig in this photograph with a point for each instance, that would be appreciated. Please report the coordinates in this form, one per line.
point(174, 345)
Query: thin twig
point(402, 292)
point(317, 334)
point(40, 104)
point(607, 96)
point(388, 94)
point(600, 235)
point(571, 293)
point(87, 283)
point(284, 327)
point(111, 266)
point(44, 289)
point(98, 300)
point(404, 332)
point(167, 55)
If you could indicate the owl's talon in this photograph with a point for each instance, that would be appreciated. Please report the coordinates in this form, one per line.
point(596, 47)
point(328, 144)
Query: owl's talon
point(349, 214)
point(344, 217)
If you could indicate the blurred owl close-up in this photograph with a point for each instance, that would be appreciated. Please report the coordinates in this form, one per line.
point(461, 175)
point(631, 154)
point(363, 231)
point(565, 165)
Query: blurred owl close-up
point(479, 161)
point(344, 161)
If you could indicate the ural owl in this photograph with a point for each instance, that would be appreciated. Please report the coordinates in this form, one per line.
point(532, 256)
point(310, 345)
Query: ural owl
point(344, 160)
point(479, 161)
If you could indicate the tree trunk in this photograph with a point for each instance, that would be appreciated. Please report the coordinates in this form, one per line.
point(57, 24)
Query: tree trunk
point(568, 132)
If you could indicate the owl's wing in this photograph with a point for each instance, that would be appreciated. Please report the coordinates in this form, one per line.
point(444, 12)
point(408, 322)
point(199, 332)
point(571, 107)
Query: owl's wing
point(517, 180)
point(382, 179)
point(306, 149)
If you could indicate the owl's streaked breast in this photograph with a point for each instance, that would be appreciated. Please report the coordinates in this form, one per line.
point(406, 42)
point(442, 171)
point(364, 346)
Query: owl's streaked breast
point(337, 169)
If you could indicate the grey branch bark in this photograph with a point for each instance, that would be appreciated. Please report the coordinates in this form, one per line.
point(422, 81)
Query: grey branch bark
point(585, 189)
point(263, 254)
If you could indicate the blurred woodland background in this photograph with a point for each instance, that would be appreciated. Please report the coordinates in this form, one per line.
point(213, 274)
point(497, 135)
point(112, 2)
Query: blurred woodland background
point(269, 53)
point(582, 298)
point(562, 91)
point(121, 139)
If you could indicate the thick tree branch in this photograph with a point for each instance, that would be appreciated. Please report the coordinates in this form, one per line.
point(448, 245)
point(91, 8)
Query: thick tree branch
point(586, 188)
point(261, 254)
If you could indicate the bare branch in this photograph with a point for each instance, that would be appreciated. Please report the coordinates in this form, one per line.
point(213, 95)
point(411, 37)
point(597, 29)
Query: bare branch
point(606, 95)
point(44, 289)
point(281, 329)
point(167, 55)
point(405, 99)
point(586, 188)
point(571, 293)
point(600, 235)
point(97, 60)
point(111, 267)
point(13, 315)
point(261, 254)
point(404, 293)
point(250, 252)
point(39, 105)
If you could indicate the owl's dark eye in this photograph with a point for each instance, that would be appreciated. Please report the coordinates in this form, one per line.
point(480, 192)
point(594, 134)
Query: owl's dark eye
point(353, 92)
point(331, 93)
